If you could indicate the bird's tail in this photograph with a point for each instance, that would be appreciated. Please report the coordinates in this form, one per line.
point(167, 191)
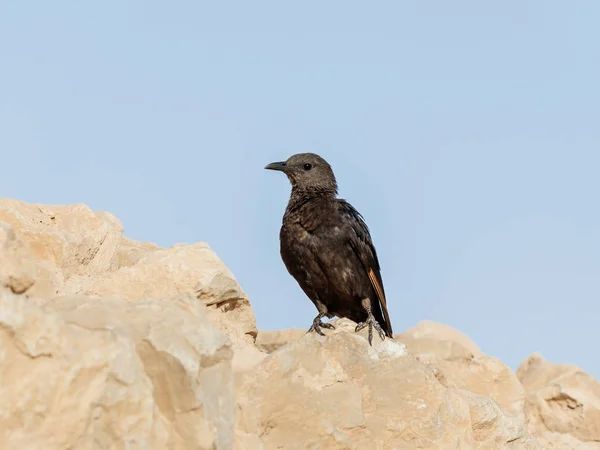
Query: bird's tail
point(387, 325)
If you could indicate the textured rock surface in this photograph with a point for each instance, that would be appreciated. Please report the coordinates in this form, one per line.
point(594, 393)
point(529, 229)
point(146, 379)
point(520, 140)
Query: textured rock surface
point(109, 343)
point(114, 343)
point(73, 250)
point(462, 364)
point(562, 404)
point(80, 373)
point(336, 392)
point(271, 340)
point(183, 269)
point(20, 271)
point(73, 240)
point(427, 332)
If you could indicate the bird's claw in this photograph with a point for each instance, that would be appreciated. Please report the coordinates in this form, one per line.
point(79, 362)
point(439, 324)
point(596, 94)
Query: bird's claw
point(371, 323)
point(317, 325)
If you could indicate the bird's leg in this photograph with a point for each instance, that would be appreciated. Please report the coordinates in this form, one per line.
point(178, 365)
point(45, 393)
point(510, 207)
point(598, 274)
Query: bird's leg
point(317, 324)
point(370, 322)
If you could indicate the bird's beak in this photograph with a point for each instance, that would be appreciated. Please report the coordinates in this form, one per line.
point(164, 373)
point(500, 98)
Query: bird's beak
point(281, 166)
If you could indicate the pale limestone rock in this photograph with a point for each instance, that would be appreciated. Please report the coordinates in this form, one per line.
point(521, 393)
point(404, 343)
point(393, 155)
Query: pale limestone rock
point(427, 329)
point(128, 357)
point(271, 340)
point(105, 374)
point(187, 269)
point(72, 250)
point(461, 364)
point(75, 239)
point(562, 404)
point(337, 392)
point(19, 271)
point(130, 251)
point(167, 273)
point(496, 428)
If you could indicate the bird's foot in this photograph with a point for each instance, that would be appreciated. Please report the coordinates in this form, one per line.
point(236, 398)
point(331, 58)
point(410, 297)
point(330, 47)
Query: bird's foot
point(371, 323)
point(317, 325)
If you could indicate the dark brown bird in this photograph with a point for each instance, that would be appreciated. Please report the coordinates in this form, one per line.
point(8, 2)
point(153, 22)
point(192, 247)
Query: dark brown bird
point(326, 246)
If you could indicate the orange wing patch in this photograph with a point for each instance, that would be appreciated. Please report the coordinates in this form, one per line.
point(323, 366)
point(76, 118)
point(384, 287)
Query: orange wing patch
point(376, 285)
point(382, 300)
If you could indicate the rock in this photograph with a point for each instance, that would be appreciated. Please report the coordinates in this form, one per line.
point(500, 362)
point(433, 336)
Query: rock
point(495, 428)
point(72, 250)
point(271, 340)
point(74, 239)
point(82, 373)
point(187, 269)
point(432, 331)
point(337, 392)
point(130, 251)
point(562, 404)
point(106, 343)
point(167, 273)
point(461, 364)
point(19, 271)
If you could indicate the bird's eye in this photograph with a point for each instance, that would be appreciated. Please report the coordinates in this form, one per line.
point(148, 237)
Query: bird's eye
point(307, 166)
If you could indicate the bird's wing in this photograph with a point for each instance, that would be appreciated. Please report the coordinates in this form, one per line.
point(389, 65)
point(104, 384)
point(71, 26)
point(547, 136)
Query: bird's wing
point(361, 243)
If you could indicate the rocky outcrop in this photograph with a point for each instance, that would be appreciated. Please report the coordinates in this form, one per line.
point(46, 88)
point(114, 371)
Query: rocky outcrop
point(65, 241)
point(562, 404)
point(337, 392)
point(107, 343)
point(271, 340)
point(110, 343)
point(79, 373)
point(462, 365)
point(74, 250)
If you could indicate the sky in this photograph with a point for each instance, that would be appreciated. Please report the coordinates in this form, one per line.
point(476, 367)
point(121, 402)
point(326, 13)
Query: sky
point(466, 133)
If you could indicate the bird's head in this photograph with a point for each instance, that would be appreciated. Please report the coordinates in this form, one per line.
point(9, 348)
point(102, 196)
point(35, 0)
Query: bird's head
point(307, 172)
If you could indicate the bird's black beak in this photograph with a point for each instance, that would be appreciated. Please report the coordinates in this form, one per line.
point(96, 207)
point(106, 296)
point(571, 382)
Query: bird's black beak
point(281, 166)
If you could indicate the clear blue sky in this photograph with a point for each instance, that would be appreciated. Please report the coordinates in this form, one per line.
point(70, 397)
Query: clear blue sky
point(466, 132)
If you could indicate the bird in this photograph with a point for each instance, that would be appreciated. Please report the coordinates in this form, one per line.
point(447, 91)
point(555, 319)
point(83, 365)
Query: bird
point(326, 247)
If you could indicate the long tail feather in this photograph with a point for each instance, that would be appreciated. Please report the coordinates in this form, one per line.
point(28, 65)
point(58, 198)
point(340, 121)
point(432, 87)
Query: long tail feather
point(382, 301)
